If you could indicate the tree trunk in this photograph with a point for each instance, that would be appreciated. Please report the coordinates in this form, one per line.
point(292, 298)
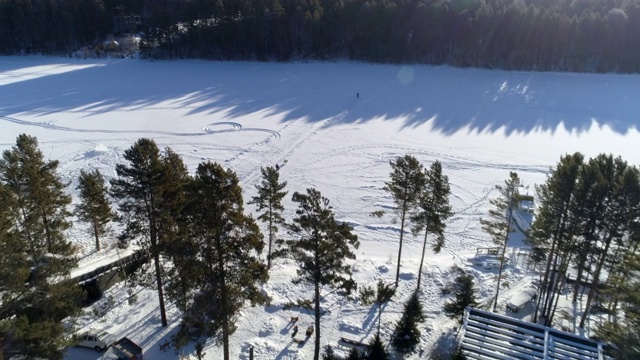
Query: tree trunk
point(576, 288)
point(404, 212)
point(557, 298)
point(316, 349)
point(554, 292)
point(424, 248)
point(270, 237)
point(504, 249)
point(551, 287)
point(156, 260)
point(225, 337)
point(220, 261)
point(543, 284)
point(96, 234)
point(594, 282)
point(163, 312)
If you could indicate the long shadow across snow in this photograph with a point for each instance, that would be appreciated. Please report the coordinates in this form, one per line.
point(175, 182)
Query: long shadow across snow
point(449, 99)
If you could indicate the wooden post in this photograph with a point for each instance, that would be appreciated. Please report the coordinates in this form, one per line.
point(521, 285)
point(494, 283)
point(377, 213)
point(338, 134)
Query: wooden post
point(250, 352)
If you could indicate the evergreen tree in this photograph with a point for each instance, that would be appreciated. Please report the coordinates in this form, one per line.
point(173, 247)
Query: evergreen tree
point(138, 193)
point(14, 269)
point(94, 206)
point(623, 333)
point(329, 354)
point(354, 354)
point(384, 293)
point(269, 202)
point(42, 201)
point(174, 227)
point(621, 199)
point(406, 185)
point(229, 243)
point(499, 224)
point(320, 246)
point(407, 335)
point(465, 295)
point(552, 227)
point(376, 349)
point(35, 257)
point(434, 210)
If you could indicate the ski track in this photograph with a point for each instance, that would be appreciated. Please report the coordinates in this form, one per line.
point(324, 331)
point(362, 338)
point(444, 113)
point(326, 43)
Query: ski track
point(206, 130)
point(468, 214)
point(287, 151)
point(449, 161)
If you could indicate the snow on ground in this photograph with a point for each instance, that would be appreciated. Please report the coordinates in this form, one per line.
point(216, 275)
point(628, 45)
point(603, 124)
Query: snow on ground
point(480, 124)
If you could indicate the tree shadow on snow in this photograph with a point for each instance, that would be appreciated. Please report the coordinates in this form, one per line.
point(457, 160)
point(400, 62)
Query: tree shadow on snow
point(449, 99)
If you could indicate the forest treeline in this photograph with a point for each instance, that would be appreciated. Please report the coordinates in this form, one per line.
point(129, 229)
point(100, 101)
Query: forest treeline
point(546, 35)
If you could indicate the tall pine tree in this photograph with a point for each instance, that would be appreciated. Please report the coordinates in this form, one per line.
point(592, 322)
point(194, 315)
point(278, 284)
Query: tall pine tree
point(138, 191)
point(406, 335)
point(229, 242)
point(499, 223)
point(464, 291)
point(320, 246)
point(552, 227)
point(94, 206)
point(384, 293)
point(174, 228)
point(35, 256)
point(269, 203)
point(406, 185)
point(434, 210)
point(376, 349)
point(40, 194)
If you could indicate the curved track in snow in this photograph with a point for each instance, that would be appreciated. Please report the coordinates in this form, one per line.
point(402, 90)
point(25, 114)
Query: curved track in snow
point(210, 129)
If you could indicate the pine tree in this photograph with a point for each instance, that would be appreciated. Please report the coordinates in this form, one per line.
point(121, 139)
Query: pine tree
point(174, 228)
point(465, 295)
point(35, 257)
point(623, 333)
point(434, 210)
point(384, 293)
point(376, 349)
point(14, 269)
point(551, 228)
point(40, 196)
point(407, 335)
point(406, 185)
point(269, 201)
point(94, 206)
point(138, 193)
point(320, 246)
point(354, 354)
point(621, 199)
point(499, 224)
point(229, 243)
point(329, 354)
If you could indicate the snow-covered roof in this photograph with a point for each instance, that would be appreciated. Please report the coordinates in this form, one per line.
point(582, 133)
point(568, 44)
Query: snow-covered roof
point(522, 297)
point(486, 335)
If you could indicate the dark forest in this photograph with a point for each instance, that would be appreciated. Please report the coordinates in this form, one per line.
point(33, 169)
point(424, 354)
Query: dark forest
point(537, 35)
